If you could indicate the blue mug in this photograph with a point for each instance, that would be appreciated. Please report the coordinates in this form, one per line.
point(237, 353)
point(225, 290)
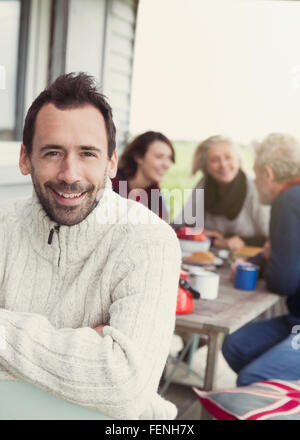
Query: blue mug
point(246, 277)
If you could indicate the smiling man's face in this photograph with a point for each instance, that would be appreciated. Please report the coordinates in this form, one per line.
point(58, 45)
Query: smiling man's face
point(69, 161)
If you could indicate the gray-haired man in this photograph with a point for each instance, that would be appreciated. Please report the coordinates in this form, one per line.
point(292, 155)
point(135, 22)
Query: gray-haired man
point(268, 349)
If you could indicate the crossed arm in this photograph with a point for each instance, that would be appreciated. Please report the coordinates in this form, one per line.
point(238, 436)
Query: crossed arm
point(117, 373)
point(99, 330)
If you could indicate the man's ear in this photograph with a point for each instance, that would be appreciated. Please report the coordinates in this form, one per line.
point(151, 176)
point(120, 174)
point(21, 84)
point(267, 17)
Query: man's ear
point(269, 173)
point(24, 161)
point(113, 165)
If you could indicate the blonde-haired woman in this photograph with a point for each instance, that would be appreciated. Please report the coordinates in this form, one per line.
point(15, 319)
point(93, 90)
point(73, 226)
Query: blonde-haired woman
point(233, 215)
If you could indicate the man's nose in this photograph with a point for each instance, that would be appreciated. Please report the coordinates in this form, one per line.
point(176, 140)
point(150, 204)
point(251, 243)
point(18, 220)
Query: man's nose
point(69, 171)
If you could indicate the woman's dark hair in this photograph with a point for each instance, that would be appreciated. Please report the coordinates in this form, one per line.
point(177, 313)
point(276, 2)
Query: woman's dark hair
point(70, 91)
point(138, 148)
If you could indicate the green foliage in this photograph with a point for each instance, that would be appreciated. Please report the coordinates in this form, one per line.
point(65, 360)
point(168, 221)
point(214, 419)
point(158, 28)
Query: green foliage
point(179, 175)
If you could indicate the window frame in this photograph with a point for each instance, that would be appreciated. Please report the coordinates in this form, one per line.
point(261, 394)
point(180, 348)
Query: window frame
point(32, 74)
point(22, 67)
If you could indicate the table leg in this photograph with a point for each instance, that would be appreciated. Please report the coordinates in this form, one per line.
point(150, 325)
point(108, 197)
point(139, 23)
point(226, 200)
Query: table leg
point(211, 360)
point(194, 346)
point(211, 368)
point(176, 363)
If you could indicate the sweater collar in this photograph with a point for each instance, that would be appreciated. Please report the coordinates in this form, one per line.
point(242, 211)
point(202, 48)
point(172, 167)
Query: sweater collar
point(70, 244)
point(296, 181)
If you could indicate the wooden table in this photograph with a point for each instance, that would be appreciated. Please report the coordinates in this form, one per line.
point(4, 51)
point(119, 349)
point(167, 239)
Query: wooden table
point(230, 311)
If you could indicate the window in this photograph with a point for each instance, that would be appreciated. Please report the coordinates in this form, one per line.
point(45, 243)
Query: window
point(10, 12)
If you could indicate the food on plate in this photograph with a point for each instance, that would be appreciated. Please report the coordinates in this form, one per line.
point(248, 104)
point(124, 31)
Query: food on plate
point(247, 251)
point(201, 257)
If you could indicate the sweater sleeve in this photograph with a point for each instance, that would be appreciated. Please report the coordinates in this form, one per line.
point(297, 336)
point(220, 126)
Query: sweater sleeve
point(282, 273)
point(119, 373)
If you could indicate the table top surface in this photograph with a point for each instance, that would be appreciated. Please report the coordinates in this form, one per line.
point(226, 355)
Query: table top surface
point(231, 310)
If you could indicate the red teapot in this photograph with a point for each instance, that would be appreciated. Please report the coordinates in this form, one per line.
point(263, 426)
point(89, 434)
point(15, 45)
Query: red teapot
point(186, 295)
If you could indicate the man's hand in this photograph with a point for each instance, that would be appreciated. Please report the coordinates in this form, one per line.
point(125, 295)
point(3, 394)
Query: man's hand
point(233, 243)
point(99, 330)
point(267, 250)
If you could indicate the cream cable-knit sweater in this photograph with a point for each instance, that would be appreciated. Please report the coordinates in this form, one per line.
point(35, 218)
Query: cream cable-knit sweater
point(51, 296)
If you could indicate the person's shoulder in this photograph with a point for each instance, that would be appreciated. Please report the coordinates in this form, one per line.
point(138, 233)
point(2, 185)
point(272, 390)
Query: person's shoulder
point(292, 193)
point(14, 209)
point(133, 219)
point(290, 197)
point(12, 215)
point(147, 222)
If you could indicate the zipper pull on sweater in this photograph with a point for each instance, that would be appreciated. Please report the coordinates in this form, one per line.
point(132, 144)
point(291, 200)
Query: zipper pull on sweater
point(50, 238)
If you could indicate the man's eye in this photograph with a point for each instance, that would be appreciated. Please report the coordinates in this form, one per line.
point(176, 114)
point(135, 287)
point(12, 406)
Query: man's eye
point(88, 154)
point(52, 153)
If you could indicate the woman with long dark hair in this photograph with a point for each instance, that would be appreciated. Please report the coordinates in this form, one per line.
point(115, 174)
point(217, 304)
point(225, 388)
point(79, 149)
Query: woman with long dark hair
point(142, 166)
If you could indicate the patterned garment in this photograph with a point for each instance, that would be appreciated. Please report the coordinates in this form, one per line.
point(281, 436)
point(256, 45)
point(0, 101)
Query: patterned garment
point(266, 400)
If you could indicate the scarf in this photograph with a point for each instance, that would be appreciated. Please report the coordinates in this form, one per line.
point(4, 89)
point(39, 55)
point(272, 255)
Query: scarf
point(231, 202)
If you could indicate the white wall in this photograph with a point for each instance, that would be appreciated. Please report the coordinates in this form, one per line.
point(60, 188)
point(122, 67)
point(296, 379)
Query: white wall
point(38, 49)
point(118, 62)
point(100, 41)
point(13, 184)
point(206, 67)
point(85, 40)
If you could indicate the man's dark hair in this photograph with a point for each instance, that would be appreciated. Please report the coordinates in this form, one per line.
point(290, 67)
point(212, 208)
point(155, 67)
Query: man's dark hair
point(70, 91)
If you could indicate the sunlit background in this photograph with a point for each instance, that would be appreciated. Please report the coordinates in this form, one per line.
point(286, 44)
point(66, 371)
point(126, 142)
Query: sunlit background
point(216, 67)
point(206, 67)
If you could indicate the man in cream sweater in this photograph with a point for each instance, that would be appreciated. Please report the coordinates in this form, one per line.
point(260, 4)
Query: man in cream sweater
point(88, 280)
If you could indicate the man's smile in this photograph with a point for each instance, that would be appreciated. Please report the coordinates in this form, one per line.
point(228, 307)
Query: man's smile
point(68, 198)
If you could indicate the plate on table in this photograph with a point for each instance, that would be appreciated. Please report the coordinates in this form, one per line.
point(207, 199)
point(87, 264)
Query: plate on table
point(190, 246)
point(247, 251)
point(217, 262)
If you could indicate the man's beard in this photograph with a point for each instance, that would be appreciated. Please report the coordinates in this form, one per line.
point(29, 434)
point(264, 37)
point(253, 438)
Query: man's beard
point(67, 215)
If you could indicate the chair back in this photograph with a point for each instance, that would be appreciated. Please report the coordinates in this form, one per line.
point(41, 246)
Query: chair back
point(23, 401)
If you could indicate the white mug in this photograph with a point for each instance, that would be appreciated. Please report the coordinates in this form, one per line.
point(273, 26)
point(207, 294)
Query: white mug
point(205, 282)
